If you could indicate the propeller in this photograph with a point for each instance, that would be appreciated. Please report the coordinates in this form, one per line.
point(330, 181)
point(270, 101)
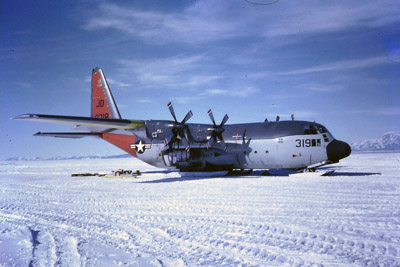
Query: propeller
point(180, 131)
point(244, 139)
point(217, 130)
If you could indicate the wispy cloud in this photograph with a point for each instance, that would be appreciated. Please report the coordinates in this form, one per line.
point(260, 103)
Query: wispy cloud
point(389, 111)
point(343, 65)
point(298, 18)
point(323, 88)
point(205, 21)
point(24, 84)
point(177, 71)
point(243, 92)
point(385, 111)
point(186, 99)
point(144, 101)
point(193, 25)
point(120, 84)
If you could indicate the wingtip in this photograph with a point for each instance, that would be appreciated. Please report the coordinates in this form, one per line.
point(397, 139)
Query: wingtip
point(24, 116)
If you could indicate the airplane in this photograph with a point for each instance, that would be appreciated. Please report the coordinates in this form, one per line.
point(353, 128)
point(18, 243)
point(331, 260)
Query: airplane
point(194, 147)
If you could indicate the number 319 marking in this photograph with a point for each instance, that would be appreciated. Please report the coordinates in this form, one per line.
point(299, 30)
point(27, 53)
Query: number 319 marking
point(303, 142)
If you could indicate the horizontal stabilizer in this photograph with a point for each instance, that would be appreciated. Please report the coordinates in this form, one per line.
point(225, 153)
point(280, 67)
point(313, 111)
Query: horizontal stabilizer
point(86, 121)
point(69, 135)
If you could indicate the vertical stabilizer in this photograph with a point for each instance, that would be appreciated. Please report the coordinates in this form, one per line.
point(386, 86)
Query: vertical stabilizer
point(103, 104)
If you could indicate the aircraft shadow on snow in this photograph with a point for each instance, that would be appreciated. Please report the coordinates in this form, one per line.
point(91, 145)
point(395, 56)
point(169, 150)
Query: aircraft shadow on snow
point(254, 174)
point(355, 173)
point(347, 173)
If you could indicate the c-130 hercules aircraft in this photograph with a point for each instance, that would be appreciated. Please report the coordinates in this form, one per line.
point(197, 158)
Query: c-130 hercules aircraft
point(193, 147)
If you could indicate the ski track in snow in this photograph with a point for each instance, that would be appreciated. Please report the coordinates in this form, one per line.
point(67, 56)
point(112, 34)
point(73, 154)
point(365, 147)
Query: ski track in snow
point(48, 218)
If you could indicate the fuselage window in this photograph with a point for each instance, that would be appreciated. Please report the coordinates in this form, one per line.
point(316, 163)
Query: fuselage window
point(326, 139)
point(314, 142)
point(318, 142)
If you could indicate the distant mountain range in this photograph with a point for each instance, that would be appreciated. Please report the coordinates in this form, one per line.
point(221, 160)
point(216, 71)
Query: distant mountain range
point(68, 158)
point(387, 142)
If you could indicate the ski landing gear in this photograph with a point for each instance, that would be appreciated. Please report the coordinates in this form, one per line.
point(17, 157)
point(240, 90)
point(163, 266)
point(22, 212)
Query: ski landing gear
point(311, 172)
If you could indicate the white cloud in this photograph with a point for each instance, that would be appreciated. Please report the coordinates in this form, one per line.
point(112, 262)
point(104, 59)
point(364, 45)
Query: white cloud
point(212, 92)
point(324, 88)
point(177, 71)
point(389, 111)
point(120, 84)
point(386, 111)
point(144, 101)
point(243, 92)
point(343, 65)
point(193, 25)
point(24, 84)
point(206, 21)
point(186, 99)
point(299, 18)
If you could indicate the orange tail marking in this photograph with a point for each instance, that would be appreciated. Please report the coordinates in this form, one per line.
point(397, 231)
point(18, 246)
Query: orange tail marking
point(100, 108)
point(122, 141)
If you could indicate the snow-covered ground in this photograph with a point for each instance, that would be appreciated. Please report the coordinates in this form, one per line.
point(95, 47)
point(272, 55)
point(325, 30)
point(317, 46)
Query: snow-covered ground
point(49, 218)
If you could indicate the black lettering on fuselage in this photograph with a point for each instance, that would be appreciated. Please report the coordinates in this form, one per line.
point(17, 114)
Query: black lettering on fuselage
point(308, 142)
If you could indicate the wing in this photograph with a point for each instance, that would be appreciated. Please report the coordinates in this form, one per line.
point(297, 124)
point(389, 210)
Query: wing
point(104, 124)
point(70, 135)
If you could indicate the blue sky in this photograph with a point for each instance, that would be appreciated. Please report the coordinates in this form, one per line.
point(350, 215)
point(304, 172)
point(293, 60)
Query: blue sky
point(335, 62)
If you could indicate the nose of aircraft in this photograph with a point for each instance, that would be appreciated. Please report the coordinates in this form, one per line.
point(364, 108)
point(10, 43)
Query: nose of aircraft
point(337, 150)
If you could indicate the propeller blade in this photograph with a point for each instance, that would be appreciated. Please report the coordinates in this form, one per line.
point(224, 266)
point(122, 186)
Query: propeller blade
point(210, 142)
point(220, 137)
point(171, 109)
point(187, 117)
point(185, 143)
point(186, 134)
point(168, 139)
point(224, 120)
point(223, 145)
point(210, 114)
point(207, 144)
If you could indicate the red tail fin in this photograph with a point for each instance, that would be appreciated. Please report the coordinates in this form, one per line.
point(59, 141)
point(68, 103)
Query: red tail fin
point(103, 104)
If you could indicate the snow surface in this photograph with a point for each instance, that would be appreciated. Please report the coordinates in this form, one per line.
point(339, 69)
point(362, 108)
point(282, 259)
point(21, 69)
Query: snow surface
point(49, 218)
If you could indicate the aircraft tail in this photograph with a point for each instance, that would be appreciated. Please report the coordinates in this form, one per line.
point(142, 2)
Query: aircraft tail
point(103, 103)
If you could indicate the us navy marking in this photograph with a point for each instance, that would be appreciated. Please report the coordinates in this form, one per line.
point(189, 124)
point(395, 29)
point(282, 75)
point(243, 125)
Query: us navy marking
point(140, 147)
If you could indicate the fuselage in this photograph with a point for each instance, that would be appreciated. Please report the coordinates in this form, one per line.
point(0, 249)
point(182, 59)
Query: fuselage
point(284, 144)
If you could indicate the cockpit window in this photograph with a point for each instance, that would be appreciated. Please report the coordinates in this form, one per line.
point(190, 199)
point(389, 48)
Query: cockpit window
point(310, 129)
point(322, 129)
